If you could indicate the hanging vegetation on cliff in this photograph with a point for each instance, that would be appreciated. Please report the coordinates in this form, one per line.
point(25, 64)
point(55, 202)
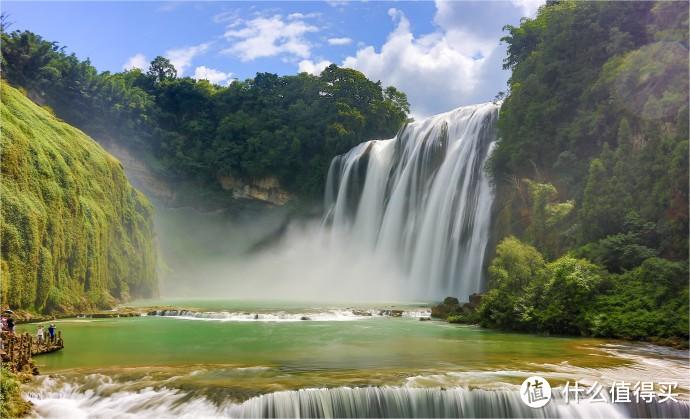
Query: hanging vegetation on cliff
point(75, 234)
point(285, 127)
point(592, 167)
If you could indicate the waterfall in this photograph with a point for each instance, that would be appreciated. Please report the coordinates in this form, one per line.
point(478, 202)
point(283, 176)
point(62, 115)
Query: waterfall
point(404, 402)
point(101, 396)
point(421, 200)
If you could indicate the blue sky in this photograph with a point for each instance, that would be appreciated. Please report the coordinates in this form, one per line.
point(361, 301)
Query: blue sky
point(442, 54)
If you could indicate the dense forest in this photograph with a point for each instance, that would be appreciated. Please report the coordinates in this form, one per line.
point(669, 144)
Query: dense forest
point(75, 234)
point(288, 127)
point(592, 173)
point(591, 170)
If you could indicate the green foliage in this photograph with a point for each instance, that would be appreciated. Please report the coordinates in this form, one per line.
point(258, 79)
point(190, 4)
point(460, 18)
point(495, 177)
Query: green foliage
point(596, 126)
point(287, 127)
point(598, 108)
point(11, 403)
point(548, 217)
point(573, 296)
point(562, 306)
point(75, 234)
point(516, 276)
point(650, 300)
point(161, 69)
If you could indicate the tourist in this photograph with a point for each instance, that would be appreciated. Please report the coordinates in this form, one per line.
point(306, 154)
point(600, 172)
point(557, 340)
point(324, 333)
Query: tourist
point(10, 325)
point(40, 334)
point(51, 332)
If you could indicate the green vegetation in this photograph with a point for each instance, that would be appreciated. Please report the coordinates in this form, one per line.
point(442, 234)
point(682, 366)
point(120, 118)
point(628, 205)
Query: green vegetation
point(12, 405)
point(574, 296)
point(592, 173)
point(289, 127)
point(75, 234)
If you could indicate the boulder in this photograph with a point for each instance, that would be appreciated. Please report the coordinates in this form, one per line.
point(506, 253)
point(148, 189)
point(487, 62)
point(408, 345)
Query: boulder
point(451, 301)
point(475, 300)
point(450, 305)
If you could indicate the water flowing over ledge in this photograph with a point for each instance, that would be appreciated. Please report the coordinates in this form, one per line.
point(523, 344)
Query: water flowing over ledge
point(283, 316)
point(421, 200)
point(105, 398)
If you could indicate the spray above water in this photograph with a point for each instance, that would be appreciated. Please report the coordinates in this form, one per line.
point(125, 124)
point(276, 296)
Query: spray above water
point(420, 201)
point(407, 219)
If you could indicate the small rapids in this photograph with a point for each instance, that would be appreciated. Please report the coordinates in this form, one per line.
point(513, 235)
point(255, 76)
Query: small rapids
point(283, 316)
point(101, 397)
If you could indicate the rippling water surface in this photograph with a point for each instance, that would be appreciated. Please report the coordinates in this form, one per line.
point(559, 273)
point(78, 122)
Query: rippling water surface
point(247, 359)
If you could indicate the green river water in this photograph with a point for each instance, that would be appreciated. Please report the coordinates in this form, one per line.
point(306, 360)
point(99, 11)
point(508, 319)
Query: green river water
point(224, 357)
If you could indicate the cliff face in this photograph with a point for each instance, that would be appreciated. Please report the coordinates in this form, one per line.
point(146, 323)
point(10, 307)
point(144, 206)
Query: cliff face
point(168, 192)
point(75, 234)
point(266, 190)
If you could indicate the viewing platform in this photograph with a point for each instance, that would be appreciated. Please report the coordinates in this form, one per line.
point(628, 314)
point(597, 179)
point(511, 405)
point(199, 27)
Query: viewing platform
point(18, 350)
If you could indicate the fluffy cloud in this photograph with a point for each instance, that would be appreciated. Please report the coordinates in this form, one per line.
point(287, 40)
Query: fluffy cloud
point(270, 36)
point(438, 71)
point(182, 58)
point(308, 66)
point(529, 7)
point(212, 75)
point(339, 41)
point(136, 61)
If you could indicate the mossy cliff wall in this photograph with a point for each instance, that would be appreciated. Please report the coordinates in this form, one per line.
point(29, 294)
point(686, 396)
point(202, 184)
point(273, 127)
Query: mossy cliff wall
point(75, 234)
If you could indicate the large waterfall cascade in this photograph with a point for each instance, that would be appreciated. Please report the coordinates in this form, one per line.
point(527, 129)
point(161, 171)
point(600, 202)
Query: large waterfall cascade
point(421, 200)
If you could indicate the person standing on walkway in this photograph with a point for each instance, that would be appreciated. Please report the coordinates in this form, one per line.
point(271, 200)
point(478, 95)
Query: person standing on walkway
point(40, 335)
point(51, 332)
point(10, 325)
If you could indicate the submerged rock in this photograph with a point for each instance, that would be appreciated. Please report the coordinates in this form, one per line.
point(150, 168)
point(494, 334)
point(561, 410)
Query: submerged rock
point(391, 313)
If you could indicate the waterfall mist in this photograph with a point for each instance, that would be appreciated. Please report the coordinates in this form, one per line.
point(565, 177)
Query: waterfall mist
point(420, 201)
point(406, 219)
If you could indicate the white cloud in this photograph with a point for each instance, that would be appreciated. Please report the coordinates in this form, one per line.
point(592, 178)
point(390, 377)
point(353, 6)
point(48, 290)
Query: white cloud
point(136, 61)
point(338, 3)
point(212, 75)
point(295, 16)
point(182, 58)
point(529, 7)
point(308, 66)
point(226, 16)
point(269, 36)
point(438, 71)
point(339, 41)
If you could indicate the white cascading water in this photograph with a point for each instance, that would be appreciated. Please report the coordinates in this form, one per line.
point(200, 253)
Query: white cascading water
point(101, 397)
point(421, 200)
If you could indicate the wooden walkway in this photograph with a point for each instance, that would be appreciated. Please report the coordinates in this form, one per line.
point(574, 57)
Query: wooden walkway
point(18, 350)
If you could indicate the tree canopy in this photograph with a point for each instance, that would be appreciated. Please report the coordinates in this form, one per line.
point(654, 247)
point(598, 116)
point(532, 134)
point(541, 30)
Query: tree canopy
point(289, 127)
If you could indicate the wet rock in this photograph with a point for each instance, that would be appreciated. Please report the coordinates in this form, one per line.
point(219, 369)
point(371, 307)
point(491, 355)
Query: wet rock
point(361, 313)
point(304, 318)
point(424, 319)
point(475, 300)
point(450, 305)
point(391, 313)
point(451, 301)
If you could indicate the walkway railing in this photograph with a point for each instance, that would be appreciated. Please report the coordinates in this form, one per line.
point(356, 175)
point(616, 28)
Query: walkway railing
point(18, 349)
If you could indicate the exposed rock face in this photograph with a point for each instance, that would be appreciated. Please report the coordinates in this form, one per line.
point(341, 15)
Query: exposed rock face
point(265, 189)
